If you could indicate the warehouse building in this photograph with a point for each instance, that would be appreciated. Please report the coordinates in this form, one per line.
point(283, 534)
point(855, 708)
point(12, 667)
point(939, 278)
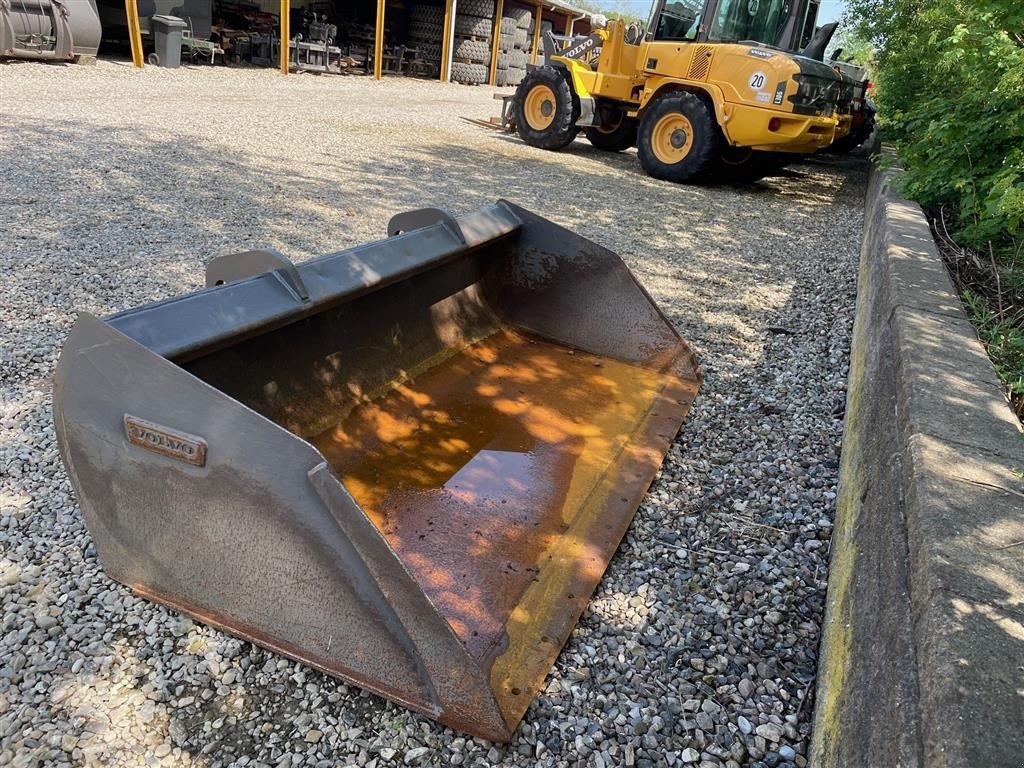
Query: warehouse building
point(465, 41)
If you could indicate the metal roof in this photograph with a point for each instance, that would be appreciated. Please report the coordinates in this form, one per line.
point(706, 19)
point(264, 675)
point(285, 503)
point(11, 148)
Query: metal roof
point(560, 6)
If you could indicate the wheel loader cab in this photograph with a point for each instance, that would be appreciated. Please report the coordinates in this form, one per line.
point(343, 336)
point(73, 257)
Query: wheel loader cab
point(731, 50)
point(704, 92)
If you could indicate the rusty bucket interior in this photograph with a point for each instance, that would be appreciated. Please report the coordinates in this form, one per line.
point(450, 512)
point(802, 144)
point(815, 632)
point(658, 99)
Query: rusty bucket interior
point(407, 464)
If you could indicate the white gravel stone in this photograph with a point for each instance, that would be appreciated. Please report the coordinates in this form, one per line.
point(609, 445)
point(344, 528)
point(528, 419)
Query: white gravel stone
point(117, 186)
point(770, 732)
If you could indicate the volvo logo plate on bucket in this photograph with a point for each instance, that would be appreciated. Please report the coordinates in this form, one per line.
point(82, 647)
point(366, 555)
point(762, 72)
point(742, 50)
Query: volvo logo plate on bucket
point(165, 441)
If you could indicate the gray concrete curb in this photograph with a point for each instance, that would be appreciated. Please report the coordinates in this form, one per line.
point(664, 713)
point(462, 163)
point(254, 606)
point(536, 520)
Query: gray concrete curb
point(922, 650)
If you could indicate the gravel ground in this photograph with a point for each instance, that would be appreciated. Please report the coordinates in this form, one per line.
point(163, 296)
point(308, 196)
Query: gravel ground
point(699, 646)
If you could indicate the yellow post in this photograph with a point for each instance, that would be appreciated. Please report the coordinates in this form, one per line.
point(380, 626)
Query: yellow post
point(286, 34)
point(568, 25)
point(446, 40)
point(131, 9)
point(496, 41)
point(378, 42)
point(538, 17)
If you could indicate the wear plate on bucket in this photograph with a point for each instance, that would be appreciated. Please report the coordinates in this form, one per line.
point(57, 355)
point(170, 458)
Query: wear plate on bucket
point(407, 464)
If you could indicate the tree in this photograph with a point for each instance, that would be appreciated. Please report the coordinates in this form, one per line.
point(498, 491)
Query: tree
point(950, 85)
point(950, 77)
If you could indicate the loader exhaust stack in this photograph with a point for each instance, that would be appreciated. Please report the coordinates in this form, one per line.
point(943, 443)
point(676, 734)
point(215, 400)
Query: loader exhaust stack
point(406, 464)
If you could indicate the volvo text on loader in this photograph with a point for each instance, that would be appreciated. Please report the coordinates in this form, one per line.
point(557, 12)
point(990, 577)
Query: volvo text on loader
point(710, 91)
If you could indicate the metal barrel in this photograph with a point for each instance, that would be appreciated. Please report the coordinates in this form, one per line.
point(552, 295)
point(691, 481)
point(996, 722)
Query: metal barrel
point(406, 464)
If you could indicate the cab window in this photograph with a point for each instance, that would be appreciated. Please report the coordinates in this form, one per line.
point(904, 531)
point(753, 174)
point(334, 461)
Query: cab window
point(679, 20)
point(760, 20)
point(810, 20)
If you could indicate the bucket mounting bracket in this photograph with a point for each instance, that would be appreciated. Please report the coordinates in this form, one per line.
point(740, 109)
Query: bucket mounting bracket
point(424, 217)
point(238, 266)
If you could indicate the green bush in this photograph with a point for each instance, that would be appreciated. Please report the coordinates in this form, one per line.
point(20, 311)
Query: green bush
point(949, 78)
point(1004, 341)
point(950, 88)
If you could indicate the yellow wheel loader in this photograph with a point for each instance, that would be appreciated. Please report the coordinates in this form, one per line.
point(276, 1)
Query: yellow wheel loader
point(709, 92)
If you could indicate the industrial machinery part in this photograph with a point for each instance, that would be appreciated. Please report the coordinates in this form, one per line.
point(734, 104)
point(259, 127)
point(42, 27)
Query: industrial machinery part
point(706, 80)
point(862, 109)
point(53, 30)
point(198, 49)
point(264, 49)
point(407, 464)
point(316, 57)
point(317, 29)
point(315, 51)
point(503, 122)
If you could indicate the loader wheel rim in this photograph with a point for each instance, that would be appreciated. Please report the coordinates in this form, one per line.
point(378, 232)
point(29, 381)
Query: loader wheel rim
point(539, 107)
point(672, 138)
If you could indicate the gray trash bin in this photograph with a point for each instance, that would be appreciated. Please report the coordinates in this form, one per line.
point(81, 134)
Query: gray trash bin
point(167, 40)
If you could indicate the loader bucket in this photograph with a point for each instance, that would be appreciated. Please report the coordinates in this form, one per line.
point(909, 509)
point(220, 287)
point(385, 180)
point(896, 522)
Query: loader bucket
point(406, 464)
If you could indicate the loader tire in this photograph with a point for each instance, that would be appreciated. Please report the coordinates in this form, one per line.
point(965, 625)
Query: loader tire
point(522, 16)
point(426, 31)
point(469, 74)
point(518, 60)
point(472, 26)
point(679, 139)
point(859, 133)
point(546, 110)
point(741, 165)
point(842, 146)
point(475, 51)
point(508, 26)
point(520, 38)
point(615, 136)
point(427, 14)
point(505, 43)
point(481, 8)
point(511, 76)
point(429, 51)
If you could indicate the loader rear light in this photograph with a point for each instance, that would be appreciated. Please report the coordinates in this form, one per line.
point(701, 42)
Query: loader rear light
point(774, 124)
point(870, 85)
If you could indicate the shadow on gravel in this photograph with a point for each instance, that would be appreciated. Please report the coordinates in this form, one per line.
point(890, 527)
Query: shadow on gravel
point(727, 557)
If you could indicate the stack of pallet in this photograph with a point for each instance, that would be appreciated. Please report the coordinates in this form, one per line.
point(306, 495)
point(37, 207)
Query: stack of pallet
point(514, 56)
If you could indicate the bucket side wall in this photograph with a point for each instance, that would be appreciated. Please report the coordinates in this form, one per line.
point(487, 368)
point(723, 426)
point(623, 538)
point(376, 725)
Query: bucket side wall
point(573, 291)
point(246, 541)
